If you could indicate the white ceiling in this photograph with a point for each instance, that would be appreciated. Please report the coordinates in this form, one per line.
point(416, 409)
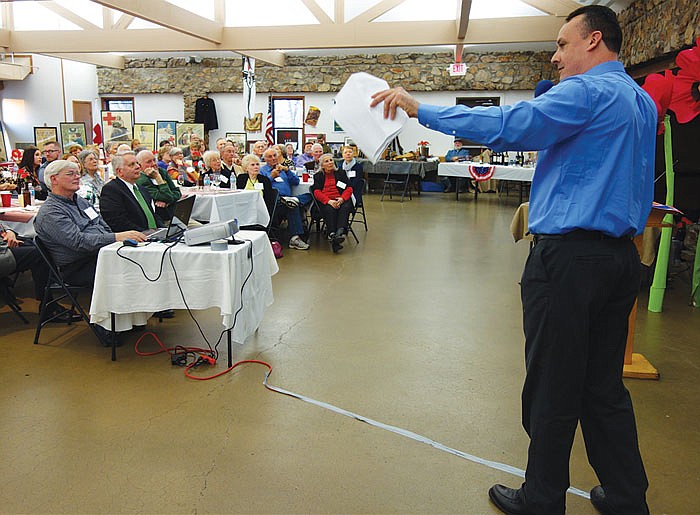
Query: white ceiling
point(106, 31)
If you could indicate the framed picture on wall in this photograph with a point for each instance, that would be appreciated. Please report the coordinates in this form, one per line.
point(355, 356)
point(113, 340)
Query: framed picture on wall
point(42, 135)
point(185, 131)
point(293, 136)
point(165, 130)
point(72, 133)
point(117, 126)
point(239, 138)
point(336, 127)
point(146, 134)
point(310, 137)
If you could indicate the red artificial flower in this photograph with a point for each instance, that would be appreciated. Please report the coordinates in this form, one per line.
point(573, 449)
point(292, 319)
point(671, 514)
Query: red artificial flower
point(660, 88)
point(423, 144)
point(685, 101)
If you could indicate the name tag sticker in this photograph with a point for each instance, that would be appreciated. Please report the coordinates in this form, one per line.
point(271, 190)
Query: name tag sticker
point(341, 185)
point(92, 214)
point(259, 186)
point(279, 179)
point(352, 174)
point(223, 179)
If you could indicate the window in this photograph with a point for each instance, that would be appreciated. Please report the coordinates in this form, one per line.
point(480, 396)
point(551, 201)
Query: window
point(118, 104)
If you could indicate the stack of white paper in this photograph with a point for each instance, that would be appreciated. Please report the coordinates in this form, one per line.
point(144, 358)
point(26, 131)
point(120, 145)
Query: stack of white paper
point(366, 126)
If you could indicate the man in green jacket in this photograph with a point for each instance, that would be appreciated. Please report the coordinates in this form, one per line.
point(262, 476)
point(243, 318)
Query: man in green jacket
point(160, 186)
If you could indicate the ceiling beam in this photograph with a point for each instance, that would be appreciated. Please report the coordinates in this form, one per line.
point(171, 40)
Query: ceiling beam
point(317, 11)
point(10, 71)
point(420, 33)
point(123, 22)
point(269, 56)
point(104, 60)
point(554, 7)
point(70, 16)
point(339, 11)
point(5, 38)
point(462, 20)
point(376, 11)
point(170, 16)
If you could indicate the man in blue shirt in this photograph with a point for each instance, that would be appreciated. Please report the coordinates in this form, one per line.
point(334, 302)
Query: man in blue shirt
point(458, 153)
point(282, 180)
point(592, 191)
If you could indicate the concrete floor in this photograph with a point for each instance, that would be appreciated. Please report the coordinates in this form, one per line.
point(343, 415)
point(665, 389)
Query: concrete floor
point(418, 326)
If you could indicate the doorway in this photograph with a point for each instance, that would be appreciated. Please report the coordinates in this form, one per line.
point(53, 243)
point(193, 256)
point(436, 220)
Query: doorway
point(82, 112)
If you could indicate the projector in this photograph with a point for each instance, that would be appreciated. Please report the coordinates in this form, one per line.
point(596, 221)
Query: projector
point(211, 232)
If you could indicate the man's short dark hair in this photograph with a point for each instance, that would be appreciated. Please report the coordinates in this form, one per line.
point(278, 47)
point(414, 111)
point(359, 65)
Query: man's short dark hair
point(603, 19)
point(164, 142)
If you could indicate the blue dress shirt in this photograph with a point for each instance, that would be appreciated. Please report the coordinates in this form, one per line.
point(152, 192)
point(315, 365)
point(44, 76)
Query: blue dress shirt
point(289, 179)
point(452, 153)
point(596, 137)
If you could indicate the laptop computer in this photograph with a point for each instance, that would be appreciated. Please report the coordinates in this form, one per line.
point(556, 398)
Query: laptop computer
point(178, 223)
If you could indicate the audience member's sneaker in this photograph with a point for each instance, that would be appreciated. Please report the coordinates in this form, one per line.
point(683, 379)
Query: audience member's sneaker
point(290, 201)
point(297, 243)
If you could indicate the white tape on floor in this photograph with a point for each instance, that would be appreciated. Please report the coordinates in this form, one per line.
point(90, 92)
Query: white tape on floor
point(413, 436)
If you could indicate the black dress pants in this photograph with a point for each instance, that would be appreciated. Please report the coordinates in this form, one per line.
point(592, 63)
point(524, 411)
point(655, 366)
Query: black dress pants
point(336, 218)
point(27, 257)
point(577, 295)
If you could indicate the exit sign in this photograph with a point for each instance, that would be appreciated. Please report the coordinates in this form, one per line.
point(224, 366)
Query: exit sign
point(458, 69)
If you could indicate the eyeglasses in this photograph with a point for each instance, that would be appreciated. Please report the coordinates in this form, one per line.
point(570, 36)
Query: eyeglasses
point(50, 151)
point(71, 173)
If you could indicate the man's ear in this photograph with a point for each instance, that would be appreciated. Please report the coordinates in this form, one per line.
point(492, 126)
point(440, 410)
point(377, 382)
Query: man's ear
point(594, 40)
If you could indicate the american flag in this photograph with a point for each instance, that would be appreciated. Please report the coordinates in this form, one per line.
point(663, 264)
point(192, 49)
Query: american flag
point(269, 136)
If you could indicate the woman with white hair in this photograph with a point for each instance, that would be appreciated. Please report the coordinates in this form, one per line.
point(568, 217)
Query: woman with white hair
point(252, 180)
point(91, 181)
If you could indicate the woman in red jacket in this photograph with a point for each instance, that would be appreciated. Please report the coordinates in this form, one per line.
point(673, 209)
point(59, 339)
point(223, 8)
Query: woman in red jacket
point(333, 192)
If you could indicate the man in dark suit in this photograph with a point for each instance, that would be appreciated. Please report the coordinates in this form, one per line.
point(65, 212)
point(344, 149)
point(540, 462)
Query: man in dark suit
point(124, 205)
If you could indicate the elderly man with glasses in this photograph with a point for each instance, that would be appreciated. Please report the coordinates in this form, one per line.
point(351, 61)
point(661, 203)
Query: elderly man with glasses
point(70, 228)
point(51, 152)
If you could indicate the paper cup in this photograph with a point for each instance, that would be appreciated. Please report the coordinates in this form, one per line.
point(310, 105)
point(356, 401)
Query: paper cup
point(6, 198)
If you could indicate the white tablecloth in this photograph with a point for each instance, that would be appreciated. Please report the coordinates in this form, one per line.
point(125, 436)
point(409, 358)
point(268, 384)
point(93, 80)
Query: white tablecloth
point(19, 219)
point(247, 206)
point(208, 279)
point(505, 173)
point(301, 188)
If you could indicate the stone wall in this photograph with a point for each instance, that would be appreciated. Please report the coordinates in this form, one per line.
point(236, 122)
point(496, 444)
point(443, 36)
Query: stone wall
point(416, 72)
point(654, 28)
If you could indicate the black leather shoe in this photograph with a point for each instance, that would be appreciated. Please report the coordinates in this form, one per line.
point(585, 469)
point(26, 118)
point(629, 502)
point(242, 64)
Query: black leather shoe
point(508, 500)
point(166, 313)
point(336, 246)
point(599, 501)
point(66, 317)
point(340, 235)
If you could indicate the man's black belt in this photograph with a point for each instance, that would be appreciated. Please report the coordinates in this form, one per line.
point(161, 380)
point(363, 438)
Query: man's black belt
point(579, 234)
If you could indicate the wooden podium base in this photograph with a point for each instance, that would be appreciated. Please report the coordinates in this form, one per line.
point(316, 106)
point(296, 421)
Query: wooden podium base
point(640, 368)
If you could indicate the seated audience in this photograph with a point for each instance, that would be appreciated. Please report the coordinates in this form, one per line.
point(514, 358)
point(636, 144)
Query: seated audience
point(51, 151)
point(164, 156)
point(158, 184)
point(179, 171)
point(71, 229)
point(290, 154)
point(289, 207)
point(212, 162)
point(333, 192)
point(91, 181)
point(123, 204)
point(252, 180)
point(306, 156)
point(28, 168)
point(229, 168)
point(456, 154)
point(258, 148)
point(353, 169)
point(18, 254)
point(315, 164)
